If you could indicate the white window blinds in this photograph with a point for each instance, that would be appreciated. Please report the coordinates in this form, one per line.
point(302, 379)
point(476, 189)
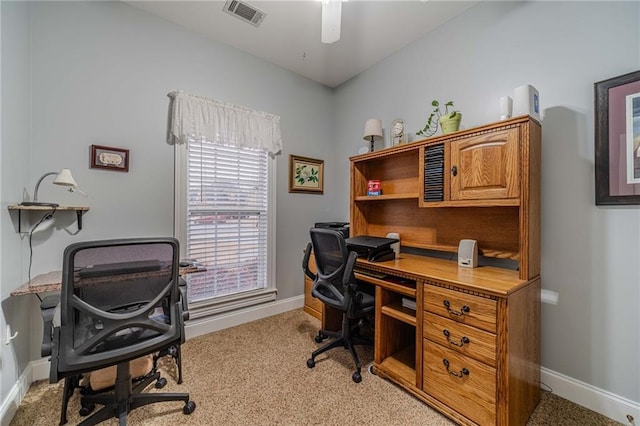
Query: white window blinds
point(227, 216)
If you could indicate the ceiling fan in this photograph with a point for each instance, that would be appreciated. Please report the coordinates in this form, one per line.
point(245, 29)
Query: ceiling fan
point(331, 21)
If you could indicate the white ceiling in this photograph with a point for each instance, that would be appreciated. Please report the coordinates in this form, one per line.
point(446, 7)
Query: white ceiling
point(289, 36)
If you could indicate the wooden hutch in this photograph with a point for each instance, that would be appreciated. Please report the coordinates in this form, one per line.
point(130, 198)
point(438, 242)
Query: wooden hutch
point(471, 349)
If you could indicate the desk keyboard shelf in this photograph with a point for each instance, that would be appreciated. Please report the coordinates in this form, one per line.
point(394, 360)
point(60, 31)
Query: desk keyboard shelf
point(403, 289)
point(395, 310)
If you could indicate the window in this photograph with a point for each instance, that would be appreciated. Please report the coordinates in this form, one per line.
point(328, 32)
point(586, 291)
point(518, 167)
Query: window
point(225, 224)
point(225, 200)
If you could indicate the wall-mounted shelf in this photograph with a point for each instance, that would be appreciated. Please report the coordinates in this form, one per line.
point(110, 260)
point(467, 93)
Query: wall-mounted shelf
point(20, 208)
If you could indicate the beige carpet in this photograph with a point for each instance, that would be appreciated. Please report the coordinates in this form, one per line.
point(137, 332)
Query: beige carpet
point(256, 374)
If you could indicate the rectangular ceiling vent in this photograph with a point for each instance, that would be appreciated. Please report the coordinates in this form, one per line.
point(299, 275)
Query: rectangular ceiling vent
point(244, 11)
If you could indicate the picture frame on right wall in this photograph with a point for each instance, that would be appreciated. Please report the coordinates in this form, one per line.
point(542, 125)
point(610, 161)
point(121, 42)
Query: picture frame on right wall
point(617, 140)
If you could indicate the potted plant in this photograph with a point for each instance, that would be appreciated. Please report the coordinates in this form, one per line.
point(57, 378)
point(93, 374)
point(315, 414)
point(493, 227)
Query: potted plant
point(449, 121)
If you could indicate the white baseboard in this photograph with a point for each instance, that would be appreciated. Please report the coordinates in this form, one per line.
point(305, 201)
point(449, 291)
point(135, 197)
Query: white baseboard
point(598, 400)
point(202, 326)
point(16, 395)
point(591, 397)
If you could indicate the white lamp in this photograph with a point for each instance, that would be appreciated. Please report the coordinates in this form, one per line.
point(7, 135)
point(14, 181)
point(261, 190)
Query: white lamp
point(63, 178)
point(373, 131)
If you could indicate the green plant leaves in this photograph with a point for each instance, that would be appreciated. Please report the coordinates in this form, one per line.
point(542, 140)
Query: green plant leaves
point(432, 122)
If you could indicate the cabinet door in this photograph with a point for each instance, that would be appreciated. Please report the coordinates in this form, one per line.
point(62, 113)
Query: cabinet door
point(485, 166)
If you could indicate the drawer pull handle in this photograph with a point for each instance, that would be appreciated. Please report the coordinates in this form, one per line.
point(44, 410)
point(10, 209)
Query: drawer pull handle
point(463, 341)
point(463, 372)
point(464, 310)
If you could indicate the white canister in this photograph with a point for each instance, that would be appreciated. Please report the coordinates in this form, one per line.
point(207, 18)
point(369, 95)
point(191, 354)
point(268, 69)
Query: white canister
point(395, 246)
point(526, 101)
point(506, 106)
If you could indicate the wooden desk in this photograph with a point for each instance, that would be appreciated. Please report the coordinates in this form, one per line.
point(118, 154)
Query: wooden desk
point(484, 322)
point(471, 349)
point(52, 282)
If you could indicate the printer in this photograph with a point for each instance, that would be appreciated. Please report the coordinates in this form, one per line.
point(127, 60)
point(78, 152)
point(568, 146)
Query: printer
point(374, 249)
point(342, 227)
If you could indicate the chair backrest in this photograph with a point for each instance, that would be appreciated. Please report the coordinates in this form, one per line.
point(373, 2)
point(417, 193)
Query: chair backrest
point(334, 266)
point(119, 301)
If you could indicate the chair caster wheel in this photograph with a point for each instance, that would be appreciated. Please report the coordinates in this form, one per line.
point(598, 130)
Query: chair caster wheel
point(189, 407)
point(86, 409)
point(319, 338)
point(356, 377)
point(311, 363)
point(161, 382)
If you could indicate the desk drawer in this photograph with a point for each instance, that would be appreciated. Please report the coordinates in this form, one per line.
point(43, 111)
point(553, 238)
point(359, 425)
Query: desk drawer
point(470, 341)
point(462, 307)
point(472, 393)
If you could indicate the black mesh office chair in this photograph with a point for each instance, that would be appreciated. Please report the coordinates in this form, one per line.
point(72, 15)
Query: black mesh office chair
point(120, 300)
point(336, 286)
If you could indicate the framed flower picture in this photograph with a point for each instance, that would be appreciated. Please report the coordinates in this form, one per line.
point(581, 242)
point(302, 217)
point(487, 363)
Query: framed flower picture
point(306, 175)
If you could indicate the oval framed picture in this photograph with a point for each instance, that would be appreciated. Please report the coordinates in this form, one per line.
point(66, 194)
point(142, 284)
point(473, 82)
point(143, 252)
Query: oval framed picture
point(109, 158)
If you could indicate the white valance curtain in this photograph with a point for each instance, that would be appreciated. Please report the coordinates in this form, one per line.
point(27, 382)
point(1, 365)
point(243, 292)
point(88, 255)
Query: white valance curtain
point(196, 117)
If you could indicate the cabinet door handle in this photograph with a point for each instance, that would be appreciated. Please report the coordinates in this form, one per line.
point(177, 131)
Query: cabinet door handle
point(464, 310)
point(463, 341)
point(462, 373)
point(454, 170)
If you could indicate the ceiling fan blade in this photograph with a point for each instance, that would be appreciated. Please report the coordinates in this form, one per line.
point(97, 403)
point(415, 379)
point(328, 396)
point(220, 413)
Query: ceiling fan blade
point(331, 21)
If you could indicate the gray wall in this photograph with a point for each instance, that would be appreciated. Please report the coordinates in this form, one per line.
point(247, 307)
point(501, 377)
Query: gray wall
point(589, 254)
point(14, 172)
point(83, 73)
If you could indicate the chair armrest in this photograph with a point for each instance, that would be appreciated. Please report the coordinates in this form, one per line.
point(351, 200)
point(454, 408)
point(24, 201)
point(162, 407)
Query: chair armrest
point(182, 286)
point(305, 262)
point(348, 277)
point(47, 310)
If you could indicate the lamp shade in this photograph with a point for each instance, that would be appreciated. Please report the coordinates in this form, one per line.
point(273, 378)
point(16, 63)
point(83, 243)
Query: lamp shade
point(373, 130)
point(64, 178)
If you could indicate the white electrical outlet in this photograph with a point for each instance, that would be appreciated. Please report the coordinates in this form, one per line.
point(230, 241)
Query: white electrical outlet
point(550, 297)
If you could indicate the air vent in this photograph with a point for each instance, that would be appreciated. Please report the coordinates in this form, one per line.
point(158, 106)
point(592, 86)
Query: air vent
point(244, 12)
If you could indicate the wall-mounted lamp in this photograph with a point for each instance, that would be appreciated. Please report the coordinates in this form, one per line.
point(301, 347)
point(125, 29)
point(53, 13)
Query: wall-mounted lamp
point(373, 131)
point(63, 178)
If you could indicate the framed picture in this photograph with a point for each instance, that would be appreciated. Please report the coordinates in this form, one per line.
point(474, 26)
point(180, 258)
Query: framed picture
point(306, 175)
point(106, 157)
point(617, 140)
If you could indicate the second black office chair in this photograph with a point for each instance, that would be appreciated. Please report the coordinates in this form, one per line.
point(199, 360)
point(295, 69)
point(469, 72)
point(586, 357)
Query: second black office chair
point(335, 285)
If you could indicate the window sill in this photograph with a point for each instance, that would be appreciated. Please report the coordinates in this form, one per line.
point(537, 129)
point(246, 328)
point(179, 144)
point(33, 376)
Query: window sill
point(207, 308)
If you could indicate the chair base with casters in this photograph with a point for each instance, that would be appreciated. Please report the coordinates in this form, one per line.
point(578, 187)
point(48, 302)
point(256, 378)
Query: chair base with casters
point(127, 395)
point(102, 381)
point(347, 338)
